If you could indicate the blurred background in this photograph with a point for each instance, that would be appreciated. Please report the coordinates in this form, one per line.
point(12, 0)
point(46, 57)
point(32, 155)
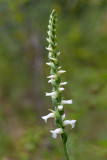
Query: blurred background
point(82, 41)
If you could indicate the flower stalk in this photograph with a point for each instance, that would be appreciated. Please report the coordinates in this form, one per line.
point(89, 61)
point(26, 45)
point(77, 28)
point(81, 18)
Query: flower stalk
point(55, 80)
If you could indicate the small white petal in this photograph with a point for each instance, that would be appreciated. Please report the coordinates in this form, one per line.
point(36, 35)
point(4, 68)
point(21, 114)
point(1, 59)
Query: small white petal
point(48, 32)
point(52, 76)
point(50, 81)
point(50, 54)
point(71, 122)
point(54, 59)
point(59, 67)
point(56, 131)
point(48, 63)
point(60, 107)
point(47, 39)
point(63, 117)
point(61, 89)
point(61, 71)
point(51, 94)
point(49, 49)
point(63, 83)
point(66, 101)
point(50, 115)
point(49, 26)
point(54, 135)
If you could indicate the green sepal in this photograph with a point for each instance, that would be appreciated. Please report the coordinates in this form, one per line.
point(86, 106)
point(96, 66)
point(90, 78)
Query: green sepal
point(58, 81)
point(57, 123)
point(54, 84)
point(53, 69)
point(54, 101)
point(61, 112)
point(52, 45)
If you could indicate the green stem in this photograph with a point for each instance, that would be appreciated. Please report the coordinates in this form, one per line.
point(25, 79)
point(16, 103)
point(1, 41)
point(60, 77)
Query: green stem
point(66, 151)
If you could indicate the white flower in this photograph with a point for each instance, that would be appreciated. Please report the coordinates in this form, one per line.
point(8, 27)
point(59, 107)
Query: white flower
point(60, 107)
point(50, 81)
point(49, 49)
point(54, 59)
point(63, 83)
point(52, 76)
point(56, 131)
point(63, 117)
point(61, 71)
point(71, 122)
point(59, 67)
point(49, 26)
point(61, 89)
point(50, 115)
point(49, 33)
point(66, 102)
point(48, 63)
point(48, 39)
point(51, 94)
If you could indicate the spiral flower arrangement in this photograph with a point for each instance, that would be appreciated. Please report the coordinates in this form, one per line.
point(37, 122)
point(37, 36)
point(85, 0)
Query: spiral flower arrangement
point(57, 84)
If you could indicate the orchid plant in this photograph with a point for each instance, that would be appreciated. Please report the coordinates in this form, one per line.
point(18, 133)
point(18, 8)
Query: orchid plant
point(55, 80)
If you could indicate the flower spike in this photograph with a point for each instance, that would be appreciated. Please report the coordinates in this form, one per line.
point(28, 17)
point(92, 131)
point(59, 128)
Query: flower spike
point(55, 80)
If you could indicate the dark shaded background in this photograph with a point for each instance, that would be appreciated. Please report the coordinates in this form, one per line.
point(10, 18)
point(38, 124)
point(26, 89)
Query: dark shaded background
point(82, 40)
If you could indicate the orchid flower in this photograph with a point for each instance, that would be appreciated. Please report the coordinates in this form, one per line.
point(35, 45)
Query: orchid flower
point(56, 131)
point(50, 115)
point(71, 122)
